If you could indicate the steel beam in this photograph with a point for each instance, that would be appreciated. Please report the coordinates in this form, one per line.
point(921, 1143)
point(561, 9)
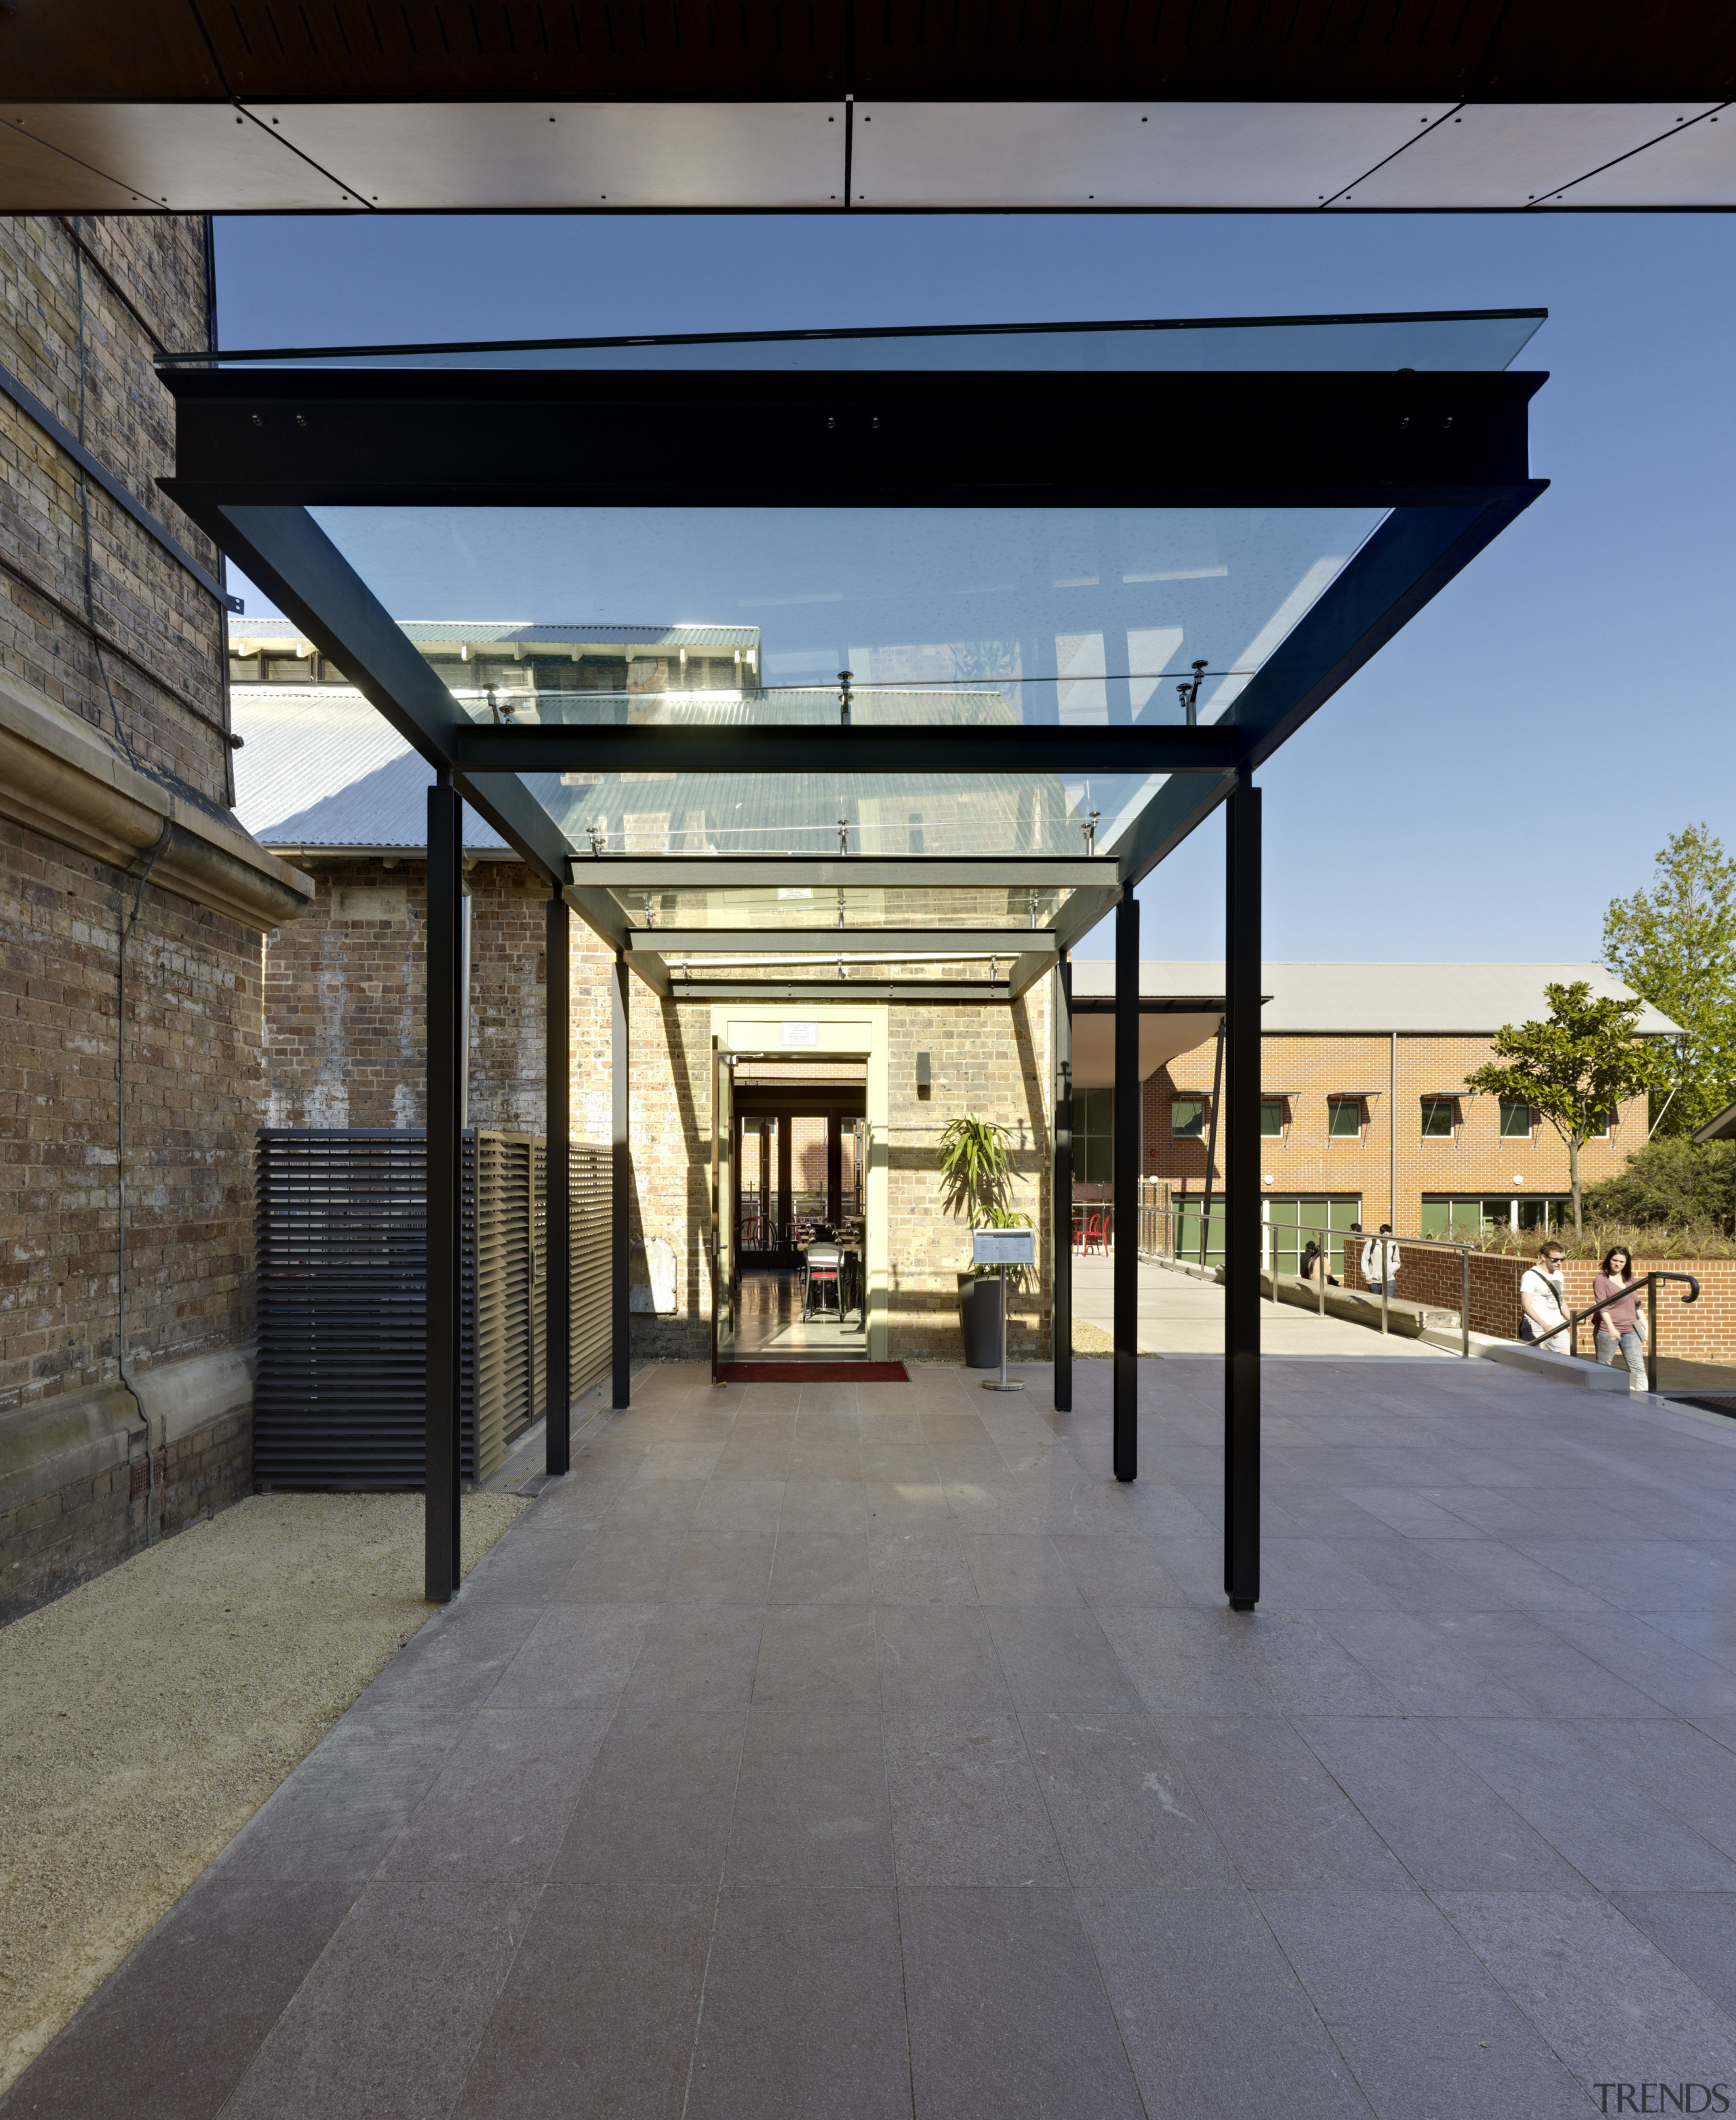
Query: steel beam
point(1028, 967)
point(1241, 1198)
point(1002, 942)
point(770, 871)
point(648, 966)
point(445, 1179)
point(1061, 1218)
point(558, 1184)
point(1126, 1238)
point(1080, 913)
point(797, 993)
point(620, 1099)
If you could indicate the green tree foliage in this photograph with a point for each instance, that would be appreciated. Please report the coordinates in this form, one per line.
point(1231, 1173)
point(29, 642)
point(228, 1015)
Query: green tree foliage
point(1574, 1068)
point(1669, 1182)
point(1675, 945)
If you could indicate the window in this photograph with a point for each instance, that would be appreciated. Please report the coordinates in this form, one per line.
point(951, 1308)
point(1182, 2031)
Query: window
point(1344, 1117)
point(1093, 1137)
point(1439, 1117)
point(1187, 1118)
point(1598, 1128)
point(1515, 1120)
point(1272, 1116)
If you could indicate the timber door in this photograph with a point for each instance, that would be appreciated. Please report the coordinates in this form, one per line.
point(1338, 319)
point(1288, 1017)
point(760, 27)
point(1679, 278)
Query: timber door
point(723, 1247)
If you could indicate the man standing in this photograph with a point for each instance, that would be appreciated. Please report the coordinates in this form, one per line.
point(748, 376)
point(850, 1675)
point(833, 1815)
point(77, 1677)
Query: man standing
point(1541, 1298)
point(1381, 1263)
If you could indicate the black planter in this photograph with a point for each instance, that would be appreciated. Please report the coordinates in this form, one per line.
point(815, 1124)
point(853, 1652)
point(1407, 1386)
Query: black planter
point(979, 1315)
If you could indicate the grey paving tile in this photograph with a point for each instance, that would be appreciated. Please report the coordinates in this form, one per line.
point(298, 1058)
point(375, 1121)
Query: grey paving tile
point(1196, 1565)
point(820, 1568)
point(655, 1808)
point(619, 1568)
point(967, 1808)
point(1691, 1774)
point(1421, 1665)
point(498, 1810)
point(721, 1568)
point(684, 1457)
point(598, 2014)
point(1185, 1660)
point(1443, 1821)
point(747, 1505)
point(902, 1505)
point(825, 1505)
point(1508, 1580)
point(526, 1566)
point(804, 2009)
point(1311, 1575)
point(1057, 1657)
point(1008, 2016)
point(1423, 2026)
point(1546, 1670)
point(1607, 2000)
point(827, 1457)
point(1121, 1807)
point(1612, 1834)
point(1644, 1575)
point(1696, 1930)
point(1299, 1667)
point(892, 1464)
point(920, 1567)
point(243, 1949)
point(1282, 1818)
point(811, 1806)
point(388, 2021)
point(997, 1501)
point(818, 1657)
point(577, 1656)
point(1018, 1568)
point(1403, 1510)
point(1637, 1649)
point(1108, 1570)
point(697, 1655)
point(665, 1504)
point(1214, 2020)
point(1416, 1576)
point(1095, 1502)
point(1710, 1634)
point(938, 1656)
point(455, 1660)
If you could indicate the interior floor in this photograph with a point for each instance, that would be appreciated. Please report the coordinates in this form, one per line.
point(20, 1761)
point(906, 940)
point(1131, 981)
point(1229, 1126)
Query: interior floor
point(770, 1326)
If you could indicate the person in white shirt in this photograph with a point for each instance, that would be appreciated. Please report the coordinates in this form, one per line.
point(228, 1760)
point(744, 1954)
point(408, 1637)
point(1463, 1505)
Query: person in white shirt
point(1541, 1298)
point(1381, 1263)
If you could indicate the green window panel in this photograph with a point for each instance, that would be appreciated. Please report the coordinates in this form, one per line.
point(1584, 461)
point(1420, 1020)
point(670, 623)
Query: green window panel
point(1515, 1120)
point(1437, 1118)
point(1344, 1117)
point(1272, 1116)
point(1187, 1118)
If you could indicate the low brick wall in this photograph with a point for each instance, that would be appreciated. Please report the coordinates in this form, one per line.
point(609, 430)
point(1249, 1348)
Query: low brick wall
point(1702, 1331)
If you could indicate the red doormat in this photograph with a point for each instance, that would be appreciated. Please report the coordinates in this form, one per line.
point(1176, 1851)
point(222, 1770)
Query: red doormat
point(812, 1373)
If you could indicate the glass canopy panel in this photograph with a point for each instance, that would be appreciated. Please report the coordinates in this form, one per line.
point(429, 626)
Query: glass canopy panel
point(1448, 340)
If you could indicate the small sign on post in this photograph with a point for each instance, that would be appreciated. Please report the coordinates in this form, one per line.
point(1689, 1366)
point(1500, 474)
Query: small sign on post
point(1002, 1248)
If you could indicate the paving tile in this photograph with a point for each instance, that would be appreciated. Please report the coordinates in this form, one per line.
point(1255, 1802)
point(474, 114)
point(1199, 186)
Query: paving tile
point(598, 2014)
point(739, 1505)
point(804, 2012)
point(388, 2021)
point(1644, 1575)
point(499, 1808)
point(823, 1504)
point(1213, 2018)
point(1635, 1648)
point(967, 1807)
point(1283, 1819)
point(938, 1656)
point(1421, 1665)
point(456, 1659)
point(755, 1461)
point(1403, 1510)
point(1055, 1658)
point(920, 1567)
point(1696, 1930)
point(1607, 2000)
point(243, 1950)
point(1616, 1837)
point(699, 1656)
point(820, 1568)
point(1008, 2016)
point(1416, 1576)
point(818, 1657)
point(1443, 1821)
point(526, 1566)
point(1018, 1568)
point(577, 1656)
point(1691, 1774)
point(1423, 2026)
point(655, 1808)
point(1551, 1676)
point(902, 1505)
point(811, 1806)
point(1298, 1665)
point(619, 1568)
point(721, 1568)
point(1185, 1660)
point(683, 1458)
point(668, 1505)
point(1512, 1581)
point(1121, 1807)
point(1108, 1570)
point(909, 1463)
point(1312, 1575)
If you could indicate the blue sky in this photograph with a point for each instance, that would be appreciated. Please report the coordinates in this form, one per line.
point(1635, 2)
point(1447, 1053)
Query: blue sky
point(1521, 751)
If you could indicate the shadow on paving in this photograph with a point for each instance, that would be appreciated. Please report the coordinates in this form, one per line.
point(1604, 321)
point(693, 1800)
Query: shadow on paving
point(866, 1750)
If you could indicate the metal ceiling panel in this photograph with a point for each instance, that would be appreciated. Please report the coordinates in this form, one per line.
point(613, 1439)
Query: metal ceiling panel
point(35, 178)
point(528, 155)
point(1694, 163)
point(1182, 155)
point(1512, 155)
point(190, 157)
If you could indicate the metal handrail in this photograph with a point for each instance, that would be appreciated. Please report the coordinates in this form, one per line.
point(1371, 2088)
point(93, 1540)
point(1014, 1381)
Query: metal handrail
point(1570, 1326)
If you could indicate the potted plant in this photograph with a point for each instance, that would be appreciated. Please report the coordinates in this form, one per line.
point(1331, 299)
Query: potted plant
point(976, 1170)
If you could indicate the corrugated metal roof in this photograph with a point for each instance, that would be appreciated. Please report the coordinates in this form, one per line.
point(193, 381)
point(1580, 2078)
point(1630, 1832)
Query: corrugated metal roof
point(531, 633)
point(1469, 1000)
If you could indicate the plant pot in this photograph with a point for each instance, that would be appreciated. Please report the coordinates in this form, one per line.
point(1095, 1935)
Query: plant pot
point(979, 1319)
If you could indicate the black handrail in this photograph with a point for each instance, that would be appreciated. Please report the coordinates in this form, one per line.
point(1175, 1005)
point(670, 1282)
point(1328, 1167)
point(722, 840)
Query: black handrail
point(1570, 1326)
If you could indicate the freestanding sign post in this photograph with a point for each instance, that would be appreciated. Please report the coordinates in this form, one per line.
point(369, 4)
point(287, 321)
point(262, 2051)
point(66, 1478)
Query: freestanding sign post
point(1002, 1248)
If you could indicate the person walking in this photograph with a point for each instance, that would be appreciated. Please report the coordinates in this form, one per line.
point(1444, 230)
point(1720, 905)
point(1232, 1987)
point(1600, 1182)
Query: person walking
point(1381, 1263)
point(1621, 1329)
point(1541, 1300)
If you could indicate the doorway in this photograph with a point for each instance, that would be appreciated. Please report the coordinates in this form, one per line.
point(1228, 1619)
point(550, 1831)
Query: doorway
point(800, 1131)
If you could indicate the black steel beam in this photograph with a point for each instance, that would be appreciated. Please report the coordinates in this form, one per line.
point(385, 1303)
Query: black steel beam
point(558, 1180)
point(589, 438)
point(1080, 913)
point(1061, 1217)
point(851, 871)
point(484, 748)
point(1241, 1198)
point(620, 1100)
point(1125, 1150)
point(445, 1022)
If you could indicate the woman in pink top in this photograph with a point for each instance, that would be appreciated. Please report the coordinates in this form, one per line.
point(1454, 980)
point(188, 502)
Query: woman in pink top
point(1621, 1328)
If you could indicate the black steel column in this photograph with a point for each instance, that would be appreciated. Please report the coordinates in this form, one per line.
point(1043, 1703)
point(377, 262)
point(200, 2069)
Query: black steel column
point(1127, 1215)
point(1241, 1199)
point(558, 1182)
point(1062, 1215)
point(445, 1026)
point(619, 1308)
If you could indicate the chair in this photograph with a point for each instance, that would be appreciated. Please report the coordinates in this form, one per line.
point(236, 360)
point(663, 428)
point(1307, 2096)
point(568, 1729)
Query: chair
point(822, 1271)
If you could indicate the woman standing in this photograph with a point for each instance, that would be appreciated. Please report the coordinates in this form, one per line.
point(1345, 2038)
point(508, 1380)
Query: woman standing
point(1621, 1328)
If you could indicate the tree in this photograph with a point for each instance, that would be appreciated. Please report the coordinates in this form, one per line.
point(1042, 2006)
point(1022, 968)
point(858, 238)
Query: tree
point(1675, 945)
point(1670, 1181)
point(1574, 1068)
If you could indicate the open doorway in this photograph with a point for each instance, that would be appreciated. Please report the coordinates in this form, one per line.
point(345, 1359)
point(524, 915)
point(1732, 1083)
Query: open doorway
point(800, 1209)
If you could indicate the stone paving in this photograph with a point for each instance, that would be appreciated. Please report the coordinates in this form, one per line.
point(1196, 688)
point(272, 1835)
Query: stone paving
point(1178, 1315)
point(865, 1750)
